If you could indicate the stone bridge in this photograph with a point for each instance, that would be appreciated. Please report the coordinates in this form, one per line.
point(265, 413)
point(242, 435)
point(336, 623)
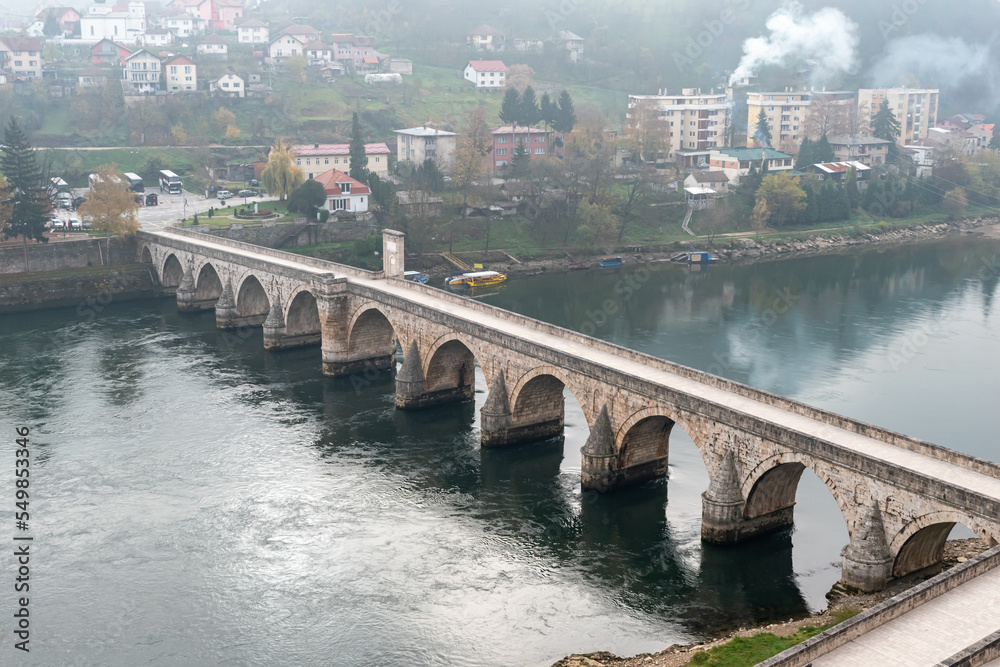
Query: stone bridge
point(900, 497)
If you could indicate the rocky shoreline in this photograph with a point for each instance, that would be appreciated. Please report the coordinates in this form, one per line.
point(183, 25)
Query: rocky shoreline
point(678, 655)
point(745, 248)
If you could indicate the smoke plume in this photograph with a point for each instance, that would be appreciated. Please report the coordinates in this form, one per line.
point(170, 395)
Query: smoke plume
point(931, 60)
point(827, 37)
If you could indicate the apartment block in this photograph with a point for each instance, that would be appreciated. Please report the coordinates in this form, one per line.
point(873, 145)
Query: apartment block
point(693, 123)
point(915, 109)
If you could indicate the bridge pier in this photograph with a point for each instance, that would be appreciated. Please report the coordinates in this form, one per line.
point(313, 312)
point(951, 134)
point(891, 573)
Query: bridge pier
point(867, 563)
point(601, 466)
point(187, 296)
point(498, 428)
point(275, 331)
point(723, 510)
point(225, 309)
point(411, 386)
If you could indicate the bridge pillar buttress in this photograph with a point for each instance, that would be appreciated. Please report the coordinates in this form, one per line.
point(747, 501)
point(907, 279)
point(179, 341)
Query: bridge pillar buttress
point(225, 308)
point(186, 293)
point(867, 563)
point(274, 327)
point(333, 303)
point(724, 510)
point(599, 469)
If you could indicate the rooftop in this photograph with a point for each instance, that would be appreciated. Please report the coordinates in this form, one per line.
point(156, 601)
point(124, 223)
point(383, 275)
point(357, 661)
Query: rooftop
point(744, 153)
point(425, 132)
point(854, 140)
point(510, 129)
point(485, 30)
point(488, 65)
point(331, 180)
point(309, 150)
point(710, 176)
point(839, 167)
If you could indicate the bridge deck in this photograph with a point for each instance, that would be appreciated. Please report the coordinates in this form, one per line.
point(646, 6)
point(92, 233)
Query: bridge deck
point(869, 447)
point(930, 633)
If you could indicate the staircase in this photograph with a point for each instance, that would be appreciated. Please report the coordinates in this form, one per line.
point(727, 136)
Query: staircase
point(291, 231)
point(456, 262)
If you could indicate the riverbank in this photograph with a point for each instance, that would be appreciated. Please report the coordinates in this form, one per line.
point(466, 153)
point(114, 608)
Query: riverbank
point(730, 249)
point(843, 605)
point(89, 288)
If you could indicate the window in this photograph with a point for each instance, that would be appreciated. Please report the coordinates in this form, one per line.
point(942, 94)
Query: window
point(298, 161)
point(378, 159)
point(501, 151)
point(308, 162)
point(336, 160)
point(173, 69)
point(539, 151)
point(345, 188)
point(326, 160)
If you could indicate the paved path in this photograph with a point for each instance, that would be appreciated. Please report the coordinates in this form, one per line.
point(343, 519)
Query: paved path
point(863, 445)
point(930, 633)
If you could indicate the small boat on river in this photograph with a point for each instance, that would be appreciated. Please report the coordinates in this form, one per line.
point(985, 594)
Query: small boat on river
point(611, 262)
point(477, 279)
point(415, 276)
point(696, 257)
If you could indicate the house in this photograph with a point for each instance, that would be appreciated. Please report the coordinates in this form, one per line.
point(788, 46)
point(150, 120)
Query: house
point(486, 38)
point(862, 148)
point(397, 65)
point(251, 31)
point(314, 157)
point(787, 111)
point(573, 44)
point(922, 155)
point(486, 73)
point(419, 203)
point(36, 29)
point(718, 181)
point(21, 56)
point(318, 53)
point(92, 76)
point(109, 53)
point(228, 85)
point(369, 65)
point(736, 162)
point(521, 44)
point(689, 124)
point(343, 193)
point(303, 33)
point(837, 172)
point(418, 144)
point(182, 74)
point(158, 37)
point(142, 73)
point(219, 14)
point(353, 49)
point(283, 47)
point(105, 21)
point(506, 139)
point(956, 141)
point(67, 17)
point(183, 24)
point(332, 71)
point(915, 109)
point(213, 45)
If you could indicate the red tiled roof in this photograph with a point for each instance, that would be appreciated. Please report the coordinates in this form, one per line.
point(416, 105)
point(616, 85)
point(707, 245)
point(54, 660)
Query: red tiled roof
point(299, 29)
point(485, 29)
point(309, 150)
point(179, 59)
point(371, 60)
point(328, 179)
point(508, 129)
point(488, 65)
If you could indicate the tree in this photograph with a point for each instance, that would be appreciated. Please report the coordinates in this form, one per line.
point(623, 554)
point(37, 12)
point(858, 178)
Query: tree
point(647, 131)
point(356, 149)
point(954, 203)
point(27, 188)
point(470, 155)
point(806, 154)
point(519, 160)
point(597, 222)
point(851, 187)
point(637, 193)
point(232, 133)
point(886, 126)
point(510, 107)
point(152, 167)
point(547, 110)
point(51, 27)
point(566, 116)
point(5, 208)
point(297, 66)
point(307, 198)
point(222, 119)
point(281, 176)
point(762, 133)
point(782, 196)
point(995, 140)
point(179, 134)
point(823, 151)
point(52, 52)
point(111, 204)
point(519, 77)
point(530, 113)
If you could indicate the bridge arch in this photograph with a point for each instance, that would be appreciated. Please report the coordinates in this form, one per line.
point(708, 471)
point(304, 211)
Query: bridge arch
point(645, 436)
point(920, 543)
point(252, 302)
point(545, 384)
point(771, 486)
point(302, 314)
point(145, 255)
point(450, 366)
point(370, 332)
point(172, 271)
point(208, 284)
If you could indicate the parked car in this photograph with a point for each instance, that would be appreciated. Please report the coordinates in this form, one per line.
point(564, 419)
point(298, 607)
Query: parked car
point(254, 183)
point(75, 223)
point(58, 223)
point(223, 194)
point(86, 223)
point(65, 200)
point(247, 193)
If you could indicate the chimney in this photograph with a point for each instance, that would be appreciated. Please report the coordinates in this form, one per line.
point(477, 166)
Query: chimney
point(315, 145)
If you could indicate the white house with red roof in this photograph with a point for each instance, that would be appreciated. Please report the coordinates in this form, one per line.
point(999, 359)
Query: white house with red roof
point(486, 73)
point(318, 158)
point(343, 193)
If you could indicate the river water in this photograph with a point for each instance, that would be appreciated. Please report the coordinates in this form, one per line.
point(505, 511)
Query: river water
point(196, 500)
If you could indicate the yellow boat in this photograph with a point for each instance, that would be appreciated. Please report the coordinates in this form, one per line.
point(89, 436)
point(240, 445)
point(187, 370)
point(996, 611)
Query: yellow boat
point(477, 279)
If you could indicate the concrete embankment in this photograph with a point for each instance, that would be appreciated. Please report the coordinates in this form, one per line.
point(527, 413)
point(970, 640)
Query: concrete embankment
point(89, 288)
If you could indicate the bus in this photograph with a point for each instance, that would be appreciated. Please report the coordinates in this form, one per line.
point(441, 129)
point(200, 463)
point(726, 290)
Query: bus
point(170, 182)
point(134, 182)
point(59, 185)
point(96, 178)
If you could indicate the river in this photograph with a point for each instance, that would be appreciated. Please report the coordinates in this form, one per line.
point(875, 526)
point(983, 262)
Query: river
point(196, 500)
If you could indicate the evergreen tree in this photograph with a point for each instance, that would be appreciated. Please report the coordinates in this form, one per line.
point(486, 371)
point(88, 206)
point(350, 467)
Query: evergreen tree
point(510, 107)
point(822, 150)
point(307, 198)
point(27, 193)
point(548, 110)
point(530, 113)
point(995, 139)
point(806, 153)
point(566, 115)
point(851, 188)
point(811, 213)
point(762, 133)
point(519, 161)
point(886, 126)
point(356, 149)
point(51, 27)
